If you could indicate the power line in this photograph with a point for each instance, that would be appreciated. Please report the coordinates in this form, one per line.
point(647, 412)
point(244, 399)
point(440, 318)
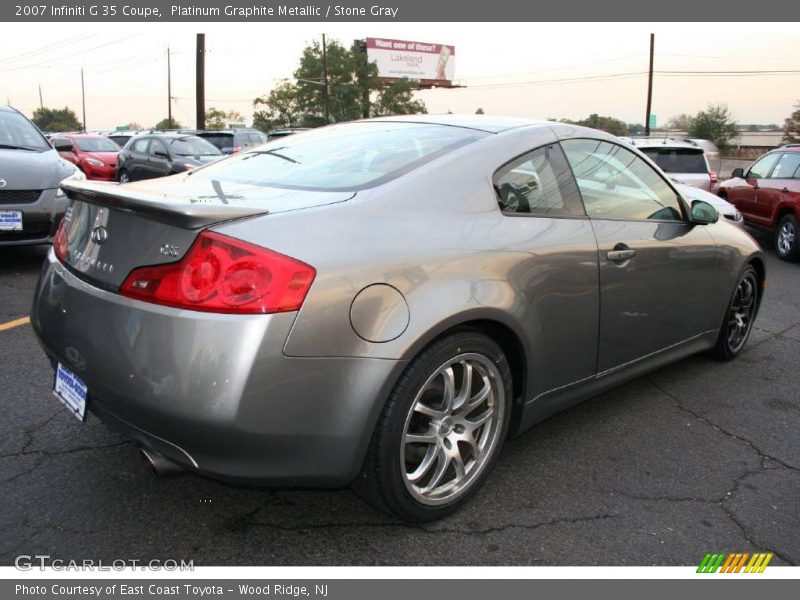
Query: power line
point(47, 48)
point(50, 64)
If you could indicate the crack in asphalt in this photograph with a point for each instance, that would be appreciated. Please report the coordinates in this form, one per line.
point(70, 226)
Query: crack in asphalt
point(771, 336)
point(245, 522)
point(720, 429)
point(731, 492)
point(44, 455)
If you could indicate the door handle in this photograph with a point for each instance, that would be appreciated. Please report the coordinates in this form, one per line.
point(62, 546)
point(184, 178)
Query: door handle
point(620, 253)
point(785, 190)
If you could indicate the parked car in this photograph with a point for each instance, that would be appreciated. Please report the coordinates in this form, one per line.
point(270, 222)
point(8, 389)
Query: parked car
point(684, 161)
point(159, 154)
point(31, 202)
point(710, 150)
point(95, 155)
point(768, 196)
point(231, 141)
point(266, 318)
point(722, 206)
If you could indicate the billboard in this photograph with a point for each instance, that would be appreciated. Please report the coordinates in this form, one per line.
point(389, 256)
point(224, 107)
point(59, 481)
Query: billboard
point(398, 59)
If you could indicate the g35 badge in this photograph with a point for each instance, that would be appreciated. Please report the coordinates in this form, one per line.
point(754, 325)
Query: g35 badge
point(169, 250)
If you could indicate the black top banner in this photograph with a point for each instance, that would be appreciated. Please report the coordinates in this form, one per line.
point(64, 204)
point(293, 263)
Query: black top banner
point(718, 11)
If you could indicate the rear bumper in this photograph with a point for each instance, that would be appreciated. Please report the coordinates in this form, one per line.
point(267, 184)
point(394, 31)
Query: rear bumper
point(39, 220)
point(214, 393)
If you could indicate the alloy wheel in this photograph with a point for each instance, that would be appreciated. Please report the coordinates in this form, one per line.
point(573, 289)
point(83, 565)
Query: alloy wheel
point(741, 312)
point(450, 433)
point(786, 237)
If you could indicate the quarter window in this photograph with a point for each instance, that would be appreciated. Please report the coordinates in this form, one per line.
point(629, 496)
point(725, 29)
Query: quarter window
point(787, 167)
point(762, 167)
point(538, 183)
point(615, 183)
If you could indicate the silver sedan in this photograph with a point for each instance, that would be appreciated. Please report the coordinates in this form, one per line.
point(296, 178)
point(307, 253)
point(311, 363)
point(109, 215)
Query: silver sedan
point(382, 303)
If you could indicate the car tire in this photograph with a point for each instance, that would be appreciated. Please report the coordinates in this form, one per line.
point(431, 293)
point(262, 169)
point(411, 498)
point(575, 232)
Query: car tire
point(123, 176)
point(787, 245)
point(739, 316)
point(440, 430)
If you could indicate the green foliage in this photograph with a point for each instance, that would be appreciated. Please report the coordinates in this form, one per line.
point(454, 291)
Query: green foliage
point(53, 119)
point(681, 122)
point(595, 121)
point(354, 91)
point(165, 124)
point(220, 119)
point(791, 127)
point(715, 123)
point(479, 111)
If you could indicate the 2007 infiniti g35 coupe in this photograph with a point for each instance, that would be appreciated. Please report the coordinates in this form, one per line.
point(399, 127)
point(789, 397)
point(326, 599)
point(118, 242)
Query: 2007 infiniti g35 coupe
point(383, 302)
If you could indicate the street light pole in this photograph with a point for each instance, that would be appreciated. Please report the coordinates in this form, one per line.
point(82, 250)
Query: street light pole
point(83, 101)
point(169, 92)
point(649, 87)
point(325, 91)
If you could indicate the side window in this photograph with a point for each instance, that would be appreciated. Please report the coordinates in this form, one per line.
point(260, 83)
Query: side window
point(762, 166)
point(616, 184)
point(158, 146)
point(787, 166)
point(140, 146)
point(538, 183)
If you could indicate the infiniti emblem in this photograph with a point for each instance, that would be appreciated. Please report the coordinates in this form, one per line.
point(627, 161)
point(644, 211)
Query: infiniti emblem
point(99, 235)
point(2, 183)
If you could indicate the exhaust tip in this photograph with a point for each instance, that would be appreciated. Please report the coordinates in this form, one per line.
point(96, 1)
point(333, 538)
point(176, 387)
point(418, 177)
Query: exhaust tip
point(159, 464)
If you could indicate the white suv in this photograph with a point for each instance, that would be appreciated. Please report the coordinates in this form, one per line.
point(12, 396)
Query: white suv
point(684, 161)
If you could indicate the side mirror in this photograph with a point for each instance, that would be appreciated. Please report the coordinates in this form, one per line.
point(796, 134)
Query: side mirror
point(738, 172)
point(703, 213)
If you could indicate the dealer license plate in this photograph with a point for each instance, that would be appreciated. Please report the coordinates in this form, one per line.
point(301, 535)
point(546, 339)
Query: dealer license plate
point(10, 220)
point(71, 390)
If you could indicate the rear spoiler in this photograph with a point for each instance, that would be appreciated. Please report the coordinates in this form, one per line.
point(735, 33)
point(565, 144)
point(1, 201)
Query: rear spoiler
point(188, 215)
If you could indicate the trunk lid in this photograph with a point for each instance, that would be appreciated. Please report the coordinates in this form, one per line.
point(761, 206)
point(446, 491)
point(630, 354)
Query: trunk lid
point(112, 229)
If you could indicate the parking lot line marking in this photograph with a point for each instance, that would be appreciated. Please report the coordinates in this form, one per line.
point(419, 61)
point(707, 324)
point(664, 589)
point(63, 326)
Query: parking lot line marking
point(15, 323)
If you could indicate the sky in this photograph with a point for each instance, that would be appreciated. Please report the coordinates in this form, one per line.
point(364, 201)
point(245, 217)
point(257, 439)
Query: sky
point(537, 70)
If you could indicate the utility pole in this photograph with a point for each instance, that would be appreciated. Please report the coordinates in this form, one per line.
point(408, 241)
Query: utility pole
point(649, 87)
point(360, 49)
point(41, 102)
point(200, 80)
point(83, 101)
point(325, 91)
point(169, 93)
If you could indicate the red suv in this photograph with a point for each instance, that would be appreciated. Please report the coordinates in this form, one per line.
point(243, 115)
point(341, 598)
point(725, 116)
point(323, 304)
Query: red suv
point(768, 196)
point(95, 155)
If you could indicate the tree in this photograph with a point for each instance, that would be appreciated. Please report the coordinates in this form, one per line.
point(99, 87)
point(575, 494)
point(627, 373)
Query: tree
point(220, 119)
point(354, 91)
point(681, 122)
point(165, 124)
point(479, 111)
point(52, 119)
point(595, 121)
point(791, 126)
point(715, 123)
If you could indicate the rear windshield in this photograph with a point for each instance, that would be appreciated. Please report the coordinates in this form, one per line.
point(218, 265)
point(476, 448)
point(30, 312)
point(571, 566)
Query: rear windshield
point(16, 131)
point(678, 160)
point(343, 157)
point(96, 145)
point(220, 140)
point(193, 146)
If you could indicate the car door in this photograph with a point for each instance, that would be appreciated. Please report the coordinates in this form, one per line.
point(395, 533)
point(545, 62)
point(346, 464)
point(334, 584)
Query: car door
point(544, 223)
point(158, 163)
point(657, 270)
point(776, 190)
point(742, 194)
point(135, 162)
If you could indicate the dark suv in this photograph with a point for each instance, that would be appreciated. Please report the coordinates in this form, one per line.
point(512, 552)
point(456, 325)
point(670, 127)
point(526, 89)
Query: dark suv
point(768, 196)
point(231, 141)
point(158, 154)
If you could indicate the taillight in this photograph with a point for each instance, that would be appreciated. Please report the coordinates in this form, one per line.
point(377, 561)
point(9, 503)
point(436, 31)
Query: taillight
point(236, 149)
point(714, 179)
point(60, 241)
point(226, 275)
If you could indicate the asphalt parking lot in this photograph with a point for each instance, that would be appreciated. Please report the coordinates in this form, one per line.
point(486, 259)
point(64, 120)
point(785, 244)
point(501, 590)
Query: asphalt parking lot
point(696, 457)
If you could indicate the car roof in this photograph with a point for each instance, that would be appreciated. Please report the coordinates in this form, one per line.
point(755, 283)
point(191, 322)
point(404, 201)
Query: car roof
point(664, 143)
point(481, 122)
